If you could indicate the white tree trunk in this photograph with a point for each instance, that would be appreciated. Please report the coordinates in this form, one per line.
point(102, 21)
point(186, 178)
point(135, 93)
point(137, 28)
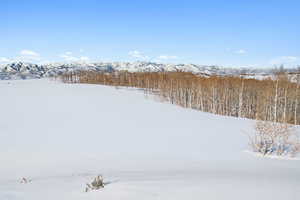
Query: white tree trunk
point(241, 100)
point(275, 101)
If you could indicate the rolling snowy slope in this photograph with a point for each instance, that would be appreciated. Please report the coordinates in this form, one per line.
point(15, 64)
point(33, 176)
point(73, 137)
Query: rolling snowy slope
point(62, 135)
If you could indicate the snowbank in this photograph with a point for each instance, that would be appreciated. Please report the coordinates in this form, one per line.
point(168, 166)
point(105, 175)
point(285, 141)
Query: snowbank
point(62, 135)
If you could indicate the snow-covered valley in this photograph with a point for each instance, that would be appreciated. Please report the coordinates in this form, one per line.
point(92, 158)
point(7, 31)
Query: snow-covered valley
point(60, 136)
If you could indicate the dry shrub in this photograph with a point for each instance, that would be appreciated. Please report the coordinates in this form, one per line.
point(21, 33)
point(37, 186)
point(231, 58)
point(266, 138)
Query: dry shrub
point(25, 180)
point(272, 138)
point(96, 184)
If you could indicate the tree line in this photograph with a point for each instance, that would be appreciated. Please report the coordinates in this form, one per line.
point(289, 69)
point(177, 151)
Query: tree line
point(275, 100)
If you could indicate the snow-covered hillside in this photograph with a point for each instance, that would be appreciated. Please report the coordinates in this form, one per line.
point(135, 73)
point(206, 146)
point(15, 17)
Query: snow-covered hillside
point(62, 135)
point(22, 70)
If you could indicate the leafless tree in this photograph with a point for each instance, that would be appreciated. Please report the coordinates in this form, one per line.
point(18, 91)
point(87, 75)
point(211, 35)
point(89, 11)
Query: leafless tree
point(271, 138)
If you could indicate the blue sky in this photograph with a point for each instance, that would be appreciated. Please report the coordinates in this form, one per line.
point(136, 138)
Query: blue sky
point(229, 32)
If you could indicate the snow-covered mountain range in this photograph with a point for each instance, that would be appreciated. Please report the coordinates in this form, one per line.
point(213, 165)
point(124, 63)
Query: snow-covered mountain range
point(20, 70)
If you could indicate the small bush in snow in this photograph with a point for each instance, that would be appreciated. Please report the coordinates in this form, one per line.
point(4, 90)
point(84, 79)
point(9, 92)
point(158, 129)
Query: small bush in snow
point(96, 184)
point(25, 180)
point(272, 138)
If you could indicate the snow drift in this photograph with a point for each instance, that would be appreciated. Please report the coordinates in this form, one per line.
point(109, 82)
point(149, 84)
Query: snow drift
point(61, 136)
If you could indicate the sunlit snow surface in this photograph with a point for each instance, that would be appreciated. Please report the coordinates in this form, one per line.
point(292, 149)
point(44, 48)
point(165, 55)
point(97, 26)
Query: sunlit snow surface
point(61, 136)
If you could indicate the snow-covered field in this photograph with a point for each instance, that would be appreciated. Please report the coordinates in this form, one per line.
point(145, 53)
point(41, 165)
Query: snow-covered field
point(61, 136)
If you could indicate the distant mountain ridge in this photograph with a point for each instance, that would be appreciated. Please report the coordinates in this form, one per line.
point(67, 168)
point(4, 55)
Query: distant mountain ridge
point(21, 70)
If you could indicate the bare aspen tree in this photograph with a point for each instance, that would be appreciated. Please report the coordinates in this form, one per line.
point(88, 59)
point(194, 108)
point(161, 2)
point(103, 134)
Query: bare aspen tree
point(285, 104)
point(276, 100)
point(297, 96)
point(241, 99)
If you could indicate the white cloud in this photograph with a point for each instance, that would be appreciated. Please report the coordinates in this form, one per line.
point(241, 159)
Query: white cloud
point(28, 56)
point(68, 56)
point(241, 51)
point(68, 53)
point(166, 57)
point(4, 60)
point(284, 60)
point(84, 58)
point(27, 52)
point(137, 54)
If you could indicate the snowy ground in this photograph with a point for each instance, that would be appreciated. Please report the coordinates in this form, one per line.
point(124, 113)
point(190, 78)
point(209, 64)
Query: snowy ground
point(62, 135)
